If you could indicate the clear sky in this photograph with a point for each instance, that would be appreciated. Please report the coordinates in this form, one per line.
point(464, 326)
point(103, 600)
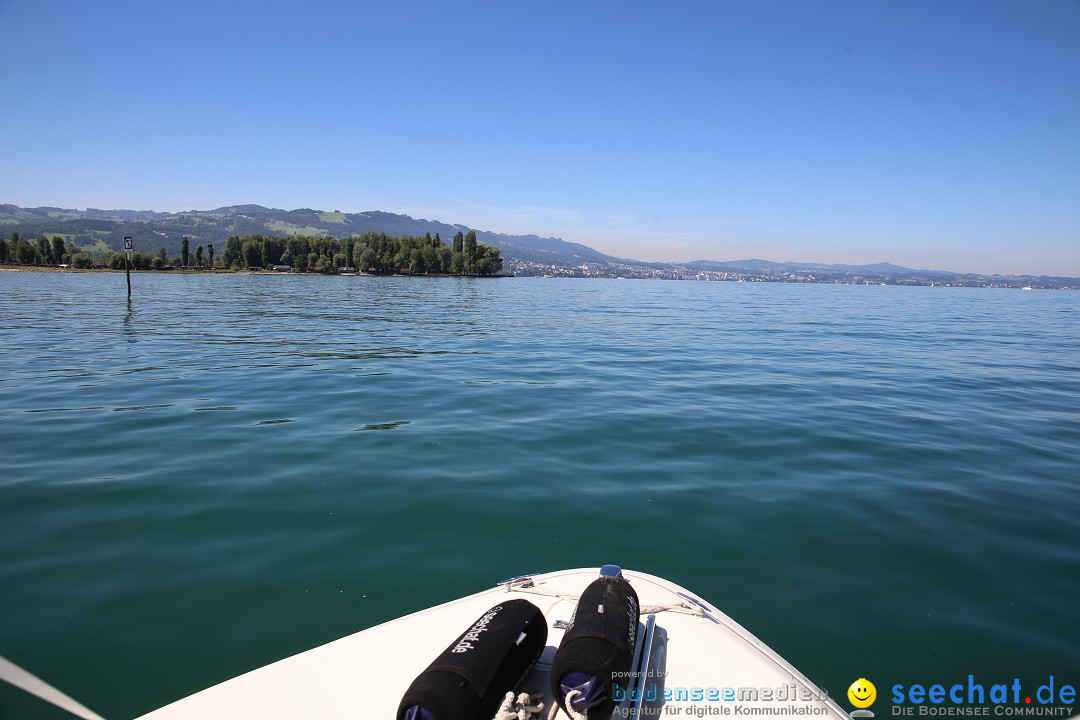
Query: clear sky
point(935, 134)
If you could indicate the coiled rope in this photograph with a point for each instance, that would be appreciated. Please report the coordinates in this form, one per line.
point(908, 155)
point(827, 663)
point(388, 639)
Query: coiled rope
point(522, 707)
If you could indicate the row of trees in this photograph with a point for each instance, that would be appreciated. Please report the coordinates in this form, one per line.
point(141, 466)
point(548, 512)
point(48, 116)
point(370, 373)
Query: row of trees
point(160, 260)
point(371, 252)
point(41, 252)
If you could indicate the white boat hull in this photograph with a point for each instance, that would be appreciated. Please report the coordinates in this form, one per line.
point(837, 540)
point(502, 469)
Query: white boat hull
point(701, 661)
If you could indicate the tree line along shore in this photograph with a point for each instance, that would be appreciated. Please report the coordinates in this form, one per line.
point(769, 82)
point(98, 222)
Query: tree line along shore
point(370, 253)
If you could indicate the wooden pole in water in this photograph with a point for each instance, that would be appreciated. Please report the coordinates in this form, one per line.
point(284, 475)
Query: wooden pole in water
point(127, 262)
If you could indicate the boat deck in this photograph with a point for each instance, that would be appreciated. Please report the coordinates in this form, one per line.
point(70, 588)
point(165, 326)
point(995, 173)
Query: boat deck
point(691, 659)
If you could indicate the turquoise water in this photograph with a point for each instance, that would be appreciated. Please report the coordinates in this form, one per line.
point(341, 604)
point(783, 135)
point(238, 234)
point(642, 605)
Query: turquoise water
point(879, 482)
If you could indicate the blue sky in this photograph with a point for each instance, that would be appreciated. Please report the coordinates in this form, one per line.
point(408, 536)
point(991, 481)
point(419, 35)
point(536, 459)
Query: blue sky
point(930, 134)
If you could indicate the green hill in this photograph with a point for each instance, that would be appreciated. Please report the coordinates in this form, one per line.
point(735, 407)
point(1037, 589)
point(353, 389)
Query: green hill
point(102, 230)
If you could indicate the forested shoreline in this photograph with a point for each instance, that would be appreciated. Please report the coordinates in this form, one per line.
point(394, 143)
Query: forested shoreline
point(375, 253)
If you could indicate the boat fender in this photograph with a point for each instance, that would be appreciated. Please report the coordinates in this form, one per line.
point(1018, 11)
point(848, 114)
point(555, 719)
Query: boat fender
point(470, 678)
point(598, 647)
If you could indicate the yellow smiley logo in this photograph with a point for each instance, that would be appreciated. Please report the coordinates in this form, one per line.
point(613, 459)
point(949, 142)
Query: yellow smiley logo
point(862, 693)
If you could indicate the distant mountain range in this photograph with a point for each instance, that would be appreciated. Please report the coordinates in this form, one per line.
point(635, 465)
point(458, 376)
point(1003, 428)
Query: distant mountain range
point(103, 230)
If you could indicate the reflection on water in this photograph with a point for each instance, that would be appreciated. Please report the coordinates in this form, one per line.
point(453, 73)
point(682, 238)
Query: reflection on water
point(385, 426)
point(127, 322)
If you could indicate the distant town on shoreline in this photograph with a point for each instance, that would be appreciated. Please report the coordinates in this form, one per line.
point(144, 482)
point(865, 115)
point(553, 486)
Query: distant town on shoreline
point(305, 240)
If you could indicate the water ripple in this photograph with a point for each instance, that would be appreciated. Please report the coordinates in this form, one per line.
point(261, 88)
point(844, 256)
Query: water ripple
point(869, 478)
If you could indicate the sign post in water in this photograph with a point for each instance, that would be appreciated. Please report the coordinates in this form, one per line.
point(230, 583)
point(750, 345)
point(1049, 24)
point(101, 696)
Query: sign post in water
point(127, 262)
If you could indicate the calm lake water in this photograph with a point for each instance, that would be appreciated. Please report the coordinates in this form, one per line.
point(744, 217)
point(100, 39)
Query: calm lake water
point(879, 482)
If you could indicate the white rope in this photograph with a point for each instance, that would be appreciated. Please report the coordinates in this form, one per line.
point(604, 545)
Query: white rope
point(23, 680)
point(570, 711)
point(522, 707)
point(679, 607)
